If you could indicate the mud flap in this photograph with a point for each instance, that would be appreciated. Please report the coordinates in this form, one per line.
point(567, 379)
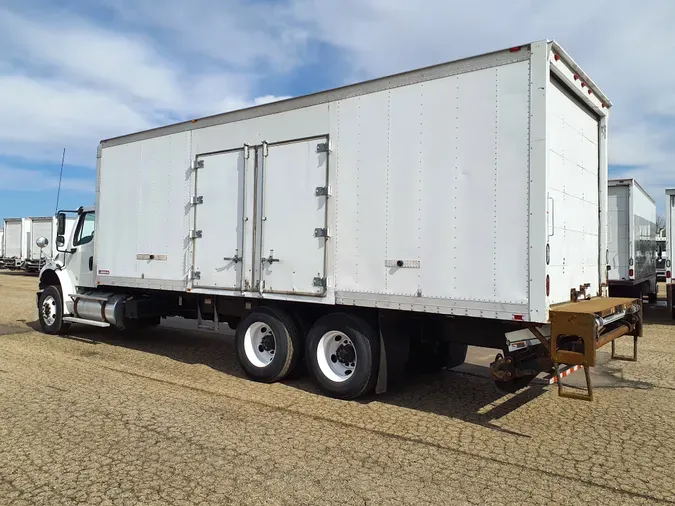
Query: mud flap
point(395, 335)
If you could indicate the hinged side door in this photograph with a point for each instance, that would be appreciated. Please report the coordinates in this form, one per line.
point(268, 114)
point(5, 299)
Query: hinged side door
point(294, 232)
point(219, 216)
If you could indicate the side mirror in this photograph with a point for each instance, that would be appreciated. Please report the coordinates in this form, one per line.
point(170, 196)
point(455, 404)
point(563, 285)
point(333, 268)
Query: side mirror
point(42, 242)
point(60, 240)
point(60, 224)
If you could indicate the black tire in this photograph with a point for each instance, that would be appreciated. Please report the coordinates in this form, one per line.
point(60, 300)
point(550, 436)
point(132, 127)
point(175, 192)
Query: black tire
point(454, 354)
point(652, 298)
point(365, 344)
point(286, 347)
point(47, 311)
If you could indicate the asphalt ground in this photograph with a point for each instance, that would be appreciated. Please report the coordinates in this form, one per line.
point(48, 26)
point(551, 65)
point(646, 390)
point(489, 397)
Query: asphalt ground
point(168, 418)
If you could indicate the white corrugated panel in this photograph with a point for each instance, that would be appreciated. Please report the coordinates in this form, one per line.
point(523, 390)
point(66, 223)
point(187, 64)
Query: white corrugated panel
point(618, 240)
point(573, 160)
point(144, 208)
point(13, 238)
point(437, 174)
point(41, 228)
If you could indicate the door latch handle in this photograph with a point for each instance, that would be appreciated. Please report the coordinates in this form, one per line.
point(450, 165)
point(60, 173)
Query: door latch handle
point(270, 259)
point(236, 258)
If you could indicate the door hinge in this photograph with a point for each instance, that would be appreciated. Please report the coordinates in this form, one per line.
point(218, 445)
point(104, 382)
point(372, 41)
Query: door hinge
point(603, 131)
point(195, 234)
point(197, 200)
point(323, 191)
point(323, 147)
point(246, 150)
point(196, 275)
point(197, 164)
point(320, 282)
point(265, 148)
point(321, 232)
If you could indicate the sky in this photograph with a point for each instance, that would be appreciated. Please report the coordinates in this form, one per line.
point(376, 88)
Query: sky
point(73, 72)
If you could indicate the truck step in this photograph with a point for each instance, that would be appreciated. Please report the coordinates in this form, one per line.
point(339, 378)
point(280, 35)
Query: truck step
point(83, 296)
point(72, 319)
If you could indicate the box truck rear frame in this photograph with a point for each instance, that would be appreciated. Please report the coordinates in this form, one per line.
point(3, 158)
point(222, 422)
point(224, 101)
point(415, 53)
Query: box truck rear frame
point(13, 244)
point(328, 257)
point(670, 249)
point(632, 241)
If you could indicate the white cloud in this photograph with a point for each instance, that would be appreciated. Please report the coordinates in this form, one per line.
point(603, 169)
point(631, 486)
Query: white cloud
point(624, 47)
point(67, 82)
point(74, 80)
point(36, 180)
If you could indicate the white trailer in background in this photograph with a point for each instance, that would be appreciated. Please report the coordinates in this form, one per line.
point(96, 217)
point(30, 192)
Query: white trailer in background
point(38, 227)
point(13, 239)
point(631, 241)
point(2, 244)
point(670, 248)
point(661, 256)
point(346, 223)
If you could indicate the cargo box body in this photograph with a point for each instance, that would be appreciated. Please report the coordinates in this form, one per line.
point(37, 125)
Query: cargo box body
point(13, 238)
point(631, 238)
point(40, 227)
point(670, 230)
point(384, 194)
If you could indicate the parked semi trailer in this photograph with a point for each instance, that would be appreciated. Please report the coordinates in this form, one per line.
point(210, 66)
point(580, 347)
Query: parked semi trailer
point(670, 248)
point(631, 241)
point(14, 243)
point(2, 245)
point(343, 225)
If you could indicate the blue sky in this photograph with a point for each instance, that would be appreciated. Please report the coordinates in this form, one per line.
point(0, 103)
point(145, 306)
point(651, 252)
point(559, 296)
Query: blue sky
point(73, 72)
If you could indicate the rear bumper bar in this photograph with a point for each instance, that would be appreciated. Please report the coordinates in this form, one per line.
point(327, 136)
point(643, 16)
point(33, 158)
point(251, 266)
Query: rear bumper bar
point(578, 329)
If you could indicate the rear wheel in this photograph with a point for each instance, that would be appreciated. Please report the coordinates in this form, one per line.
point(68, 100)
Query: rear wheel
point(50, 311)
point(267, 344)
point(343, 354)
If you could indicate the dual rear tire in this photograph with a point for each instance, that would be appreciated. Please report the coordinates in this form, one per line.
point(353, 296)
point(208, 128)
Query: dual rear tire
point(342, 352)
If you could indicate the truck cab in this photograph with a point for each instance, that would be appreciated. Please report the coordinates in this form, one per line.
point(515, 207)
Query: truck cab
point(69, 271)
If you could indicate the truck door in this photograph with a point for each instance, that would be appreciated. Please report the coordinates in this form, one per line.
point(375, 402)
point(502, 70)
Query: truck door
point(219, 219)
point(292, 217)
point(81, 260)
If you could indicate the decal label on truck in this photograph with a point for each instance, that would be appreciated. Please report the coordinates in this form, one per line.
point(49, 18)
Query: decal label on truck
point(103, 272)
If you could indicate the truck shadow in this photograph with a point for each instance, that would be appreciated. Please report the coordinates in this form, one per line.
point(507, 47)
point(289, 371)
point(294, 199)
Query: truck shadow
point(658, 314)
point(215, 351)
point(469, 396)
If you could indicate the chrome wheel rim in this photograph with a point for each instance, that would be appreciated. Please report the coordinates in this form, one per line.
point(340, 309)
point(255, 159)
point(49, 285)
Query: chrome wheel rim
point(260, 344)
point(48, 310)
point(336, 356)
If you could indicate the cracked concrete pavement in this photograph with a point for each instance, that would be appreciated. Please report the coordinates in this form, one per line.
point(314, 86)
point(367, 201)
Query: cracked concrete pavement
point(168, 418)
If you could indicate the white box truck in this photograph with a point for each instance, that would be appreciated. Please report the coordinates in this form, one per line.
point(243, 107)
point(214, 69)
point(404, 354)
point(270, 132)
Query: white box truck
point(670, 248)
point(36, 256)
point(13, 239)
point(631, 241)
point(345, 224)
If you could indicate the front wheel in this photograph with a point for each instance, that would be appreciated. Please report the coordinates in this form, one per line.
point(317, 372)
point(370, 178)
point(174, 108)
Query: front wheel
point(343, 354)
point(50, 311)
